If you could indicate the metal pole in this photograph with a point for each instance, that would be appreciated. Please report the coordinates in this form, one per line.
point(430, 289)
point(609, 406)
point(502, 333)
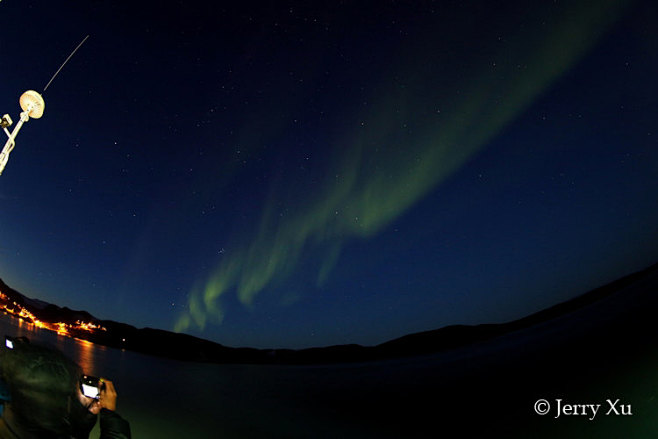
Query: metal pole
point(11, 142)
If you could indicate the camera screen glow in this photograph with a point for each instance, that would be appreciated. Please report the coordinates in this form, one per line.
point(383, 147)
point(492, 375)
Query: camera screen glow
point(9, 343)
point(90, 391)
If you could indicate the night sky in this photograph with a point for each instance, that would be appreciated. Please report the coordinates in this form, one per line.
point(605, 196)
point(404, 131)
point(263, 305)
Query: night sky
point(276, 174)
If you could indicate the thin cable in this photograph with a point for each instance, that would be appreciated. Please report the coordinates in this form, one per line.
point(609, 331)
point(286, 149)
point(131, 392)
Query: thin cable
point(64, 63)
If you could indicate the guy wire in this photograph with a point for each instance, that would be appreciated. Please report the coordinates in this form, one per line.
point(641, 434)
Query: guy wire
point(64, 63)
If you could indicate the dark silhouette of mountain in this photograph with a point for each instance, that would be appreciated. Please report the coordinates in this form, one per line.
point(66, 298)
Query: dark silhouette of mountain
point(459, 335)
point(189, 348)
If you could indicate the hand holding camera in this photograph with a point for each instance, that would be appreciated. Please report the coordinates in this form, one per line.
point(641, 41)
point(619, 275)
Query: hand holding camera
point(93, 394)
point(108, 397)
point(101, 390)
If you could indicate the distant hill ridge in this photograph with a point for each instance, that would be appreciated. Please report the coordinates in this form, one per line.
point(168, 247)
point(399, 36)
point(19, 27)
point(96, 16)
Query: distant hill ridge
point(189, 348)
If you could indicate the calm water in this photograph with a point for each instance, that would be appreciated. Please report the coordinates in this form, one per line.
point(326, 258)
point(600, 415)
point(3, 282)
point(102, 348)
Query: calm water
point(172, 399)
point(490, 387)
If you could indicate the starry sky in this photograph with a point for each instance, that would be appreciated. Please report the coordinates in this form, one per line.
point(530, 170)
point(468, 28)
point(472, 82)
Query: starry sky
point(294, 174)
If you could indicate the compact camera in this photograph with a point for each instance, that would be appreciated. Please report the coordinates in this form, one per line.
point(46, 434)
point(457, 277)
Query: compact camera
point(91, 386)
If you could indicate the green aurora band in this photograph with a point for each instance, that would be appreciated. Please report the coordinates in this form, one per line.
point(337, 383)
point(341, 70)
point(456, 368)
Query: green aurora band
point(420, 133)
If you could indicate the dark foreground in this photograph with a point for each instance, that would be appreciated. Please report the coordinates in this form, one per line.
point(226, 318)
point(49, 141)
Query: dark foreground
point(607, 350)
point(579, 353)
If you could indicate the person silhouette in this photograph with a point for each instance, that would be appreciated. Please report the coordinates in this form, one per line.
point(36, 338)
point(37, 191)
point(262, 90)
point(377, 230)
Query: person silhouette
point(46, 400)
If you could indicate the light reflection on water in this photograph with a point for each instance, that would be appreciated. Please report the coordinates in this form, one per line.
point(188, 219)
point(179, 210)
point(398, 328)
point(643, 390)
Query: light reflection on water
point(83, 352)
point(86, 357)
point(173, 399)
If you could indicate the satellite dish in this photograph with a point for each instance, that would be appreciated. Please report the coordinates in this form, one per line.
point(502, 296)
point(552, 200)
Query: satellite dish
point(33, 103)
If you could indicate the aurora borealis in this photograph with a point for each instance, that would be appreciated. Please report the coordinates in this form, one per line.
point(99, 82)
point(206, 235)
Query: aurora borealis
point(295, 175)
point(387, 166)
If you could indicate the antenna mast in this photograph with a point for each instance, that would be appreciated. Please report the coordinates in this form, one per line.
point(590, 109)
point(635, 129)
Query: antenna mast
point(33, 105)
